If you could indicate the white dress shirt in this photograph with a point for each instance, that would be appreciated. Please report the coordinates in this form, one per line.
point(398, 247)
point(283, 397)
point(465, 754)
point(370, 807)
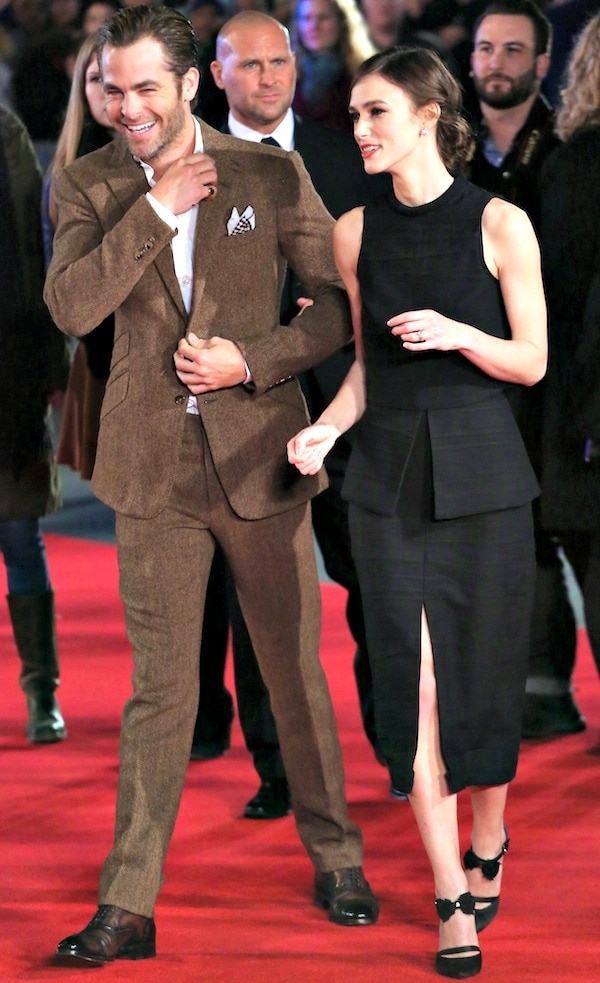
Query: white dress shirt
point(284, 133)
point(182, 245)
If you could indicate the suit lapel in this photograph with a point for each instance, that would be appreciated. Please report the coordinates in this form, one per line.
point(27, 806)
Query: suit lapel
point(128, 183)
point(299, 135)
point(211, 226)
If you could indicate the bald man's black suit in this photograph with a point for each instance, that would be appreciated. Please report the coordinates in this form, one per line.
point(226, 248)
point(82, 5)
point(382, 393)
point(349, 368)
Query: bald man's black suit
point(333, 162)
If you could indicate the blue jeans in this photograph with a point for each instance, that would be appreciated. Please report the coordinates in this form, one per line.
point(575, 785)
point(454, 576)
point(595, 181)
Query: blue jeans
point(24, 556)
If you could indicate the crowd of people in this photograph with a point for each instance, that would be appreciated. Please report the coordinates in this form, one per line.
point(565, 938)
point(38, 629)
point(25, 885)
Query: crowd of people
point(390, 235)
point(39, 41)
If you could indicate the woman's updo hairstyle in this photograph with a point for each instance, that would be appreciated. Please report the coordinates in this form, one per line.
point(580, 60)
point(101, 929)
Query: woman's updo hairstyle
point(424, 78)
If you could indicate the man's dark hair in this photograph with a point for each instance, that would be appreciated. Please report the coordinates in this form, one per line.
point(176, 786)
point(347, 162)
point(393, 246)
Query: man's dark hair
point(542, 27)
point(163, 24)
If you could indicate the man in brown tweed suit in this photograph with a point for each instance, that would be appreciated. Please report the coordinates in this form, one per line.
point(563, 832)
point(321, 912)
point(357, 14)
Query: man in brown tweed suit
point(199, 405)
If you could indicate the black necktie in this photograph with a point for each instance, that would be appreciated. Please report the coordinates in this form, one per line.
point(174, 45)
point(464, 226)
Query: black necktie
point(271, 142)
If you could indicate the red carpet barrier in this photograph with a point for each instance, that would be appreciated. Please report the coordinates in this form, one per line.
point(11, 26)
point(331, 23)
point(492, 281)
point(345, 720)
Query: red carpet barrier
point(237, 906)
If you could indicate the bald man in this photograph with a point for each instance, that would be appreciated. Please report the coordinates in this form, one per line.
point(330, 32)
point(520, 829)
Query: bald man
point(255, 67)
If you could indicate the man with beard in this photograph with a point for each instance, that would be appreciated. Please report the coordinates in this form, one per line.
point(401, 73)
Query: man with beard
point(509, 61)
point(185, 233)
point(516, 133)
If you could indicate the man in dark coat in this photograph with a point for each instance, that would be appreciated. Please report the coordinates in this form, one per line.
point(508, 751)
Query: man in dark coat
point(259, 99)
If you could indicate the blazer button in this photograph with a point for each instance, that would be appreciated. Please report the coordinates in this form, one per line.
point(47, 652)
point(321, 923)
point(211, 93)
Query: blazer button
point(180, 398)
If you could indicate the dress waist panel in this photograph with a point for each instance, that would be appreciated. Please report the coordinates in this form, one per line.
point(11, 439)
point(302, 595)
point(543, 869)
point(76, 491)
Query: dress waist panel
point(470, 447)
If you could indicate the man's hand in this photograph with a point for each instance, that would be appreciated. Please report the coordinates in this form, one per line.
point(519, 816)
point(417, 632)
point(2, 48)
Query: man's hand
point(186, 182)
point(204, 365)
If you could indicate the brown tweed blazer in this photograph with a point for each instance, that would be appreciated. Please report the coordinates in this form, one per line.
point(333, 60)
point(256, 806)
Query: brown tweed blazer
point(112, 253)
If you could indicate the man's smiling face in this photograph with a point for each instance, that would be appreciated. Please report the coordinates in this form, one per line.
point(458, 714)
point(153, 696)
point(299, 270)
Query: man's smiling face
point(146, 102)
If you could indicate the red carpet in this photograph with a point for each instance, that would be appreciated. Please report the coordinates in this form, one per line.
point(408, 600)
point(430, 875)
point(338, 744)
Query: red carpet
point(237, 902)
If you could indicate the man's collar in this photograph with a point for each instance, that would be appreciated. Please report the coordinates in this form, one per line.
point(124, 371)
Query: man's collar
point(539, 110)
point(538, 114)
point(284, 133)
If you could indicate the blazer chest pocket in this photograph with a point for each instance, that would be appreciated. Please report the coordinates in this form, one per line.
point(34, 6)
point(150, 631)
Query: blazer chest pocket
point(243, 241)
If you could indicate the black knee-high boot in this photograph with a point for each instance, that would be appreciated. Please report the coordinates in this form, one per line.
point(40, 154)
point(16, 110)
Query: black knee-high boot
point(34, 627)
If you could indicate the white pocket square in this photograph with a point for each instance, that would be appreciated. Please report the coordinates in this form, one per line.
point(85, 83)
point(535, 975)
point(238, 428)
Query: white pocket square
point(236, 223)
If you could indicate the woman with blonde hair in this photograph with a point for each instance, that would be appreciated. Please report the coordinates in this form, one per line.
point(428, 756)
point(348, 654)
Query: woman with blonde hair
point(85, 129)
point(86, 125)
point(570, 237)
point(330, 39)
point(580, 98)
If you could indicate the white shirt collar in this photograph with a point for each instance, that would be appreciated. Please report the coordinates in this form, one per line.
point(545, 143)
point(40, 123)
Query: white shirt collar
point(284, 133)
point(198, 149)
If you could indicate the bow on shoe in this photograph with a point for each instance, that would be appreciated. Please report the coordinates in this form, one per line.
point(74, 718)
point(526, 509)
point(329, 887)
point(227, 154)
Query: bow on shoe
point(489, 868)
point(446, 908)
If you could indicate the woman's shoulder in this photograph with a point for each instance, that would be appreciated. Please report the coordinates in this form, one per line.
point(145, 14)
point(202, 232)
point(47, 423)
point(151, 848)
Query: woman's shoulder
point(499, 213)
point(507, 228)
point(350, 223)
point(347, 238)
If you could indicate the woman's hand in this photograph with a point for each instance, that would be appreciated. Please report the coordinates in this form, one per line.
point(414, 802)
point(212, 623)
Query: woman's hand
point(308, 449)
point(429, 331)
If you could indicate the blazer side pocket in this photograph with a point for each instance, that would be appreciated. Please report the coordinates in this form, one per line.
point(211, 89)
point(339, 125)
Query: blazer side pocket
point(120, 349)
point(116, 393)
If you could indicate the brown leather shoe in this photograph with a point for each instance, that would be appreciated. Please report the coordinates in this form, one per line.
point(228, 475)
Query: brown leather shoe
point(113, 933)
point(346, 894)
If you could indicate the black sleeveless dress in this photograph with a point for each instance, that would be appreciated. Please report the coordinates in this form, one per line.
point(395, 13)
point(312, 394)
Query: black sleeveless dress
point(440, 488)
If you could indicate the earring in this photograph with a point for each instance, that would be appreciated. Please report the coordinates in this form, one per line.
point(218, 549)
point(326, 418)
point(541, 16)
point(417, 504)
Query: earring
point(424, 131)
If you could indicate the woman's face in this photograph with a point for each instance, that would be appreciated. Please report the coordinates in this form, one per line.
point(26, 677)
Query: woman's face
point(94, 93)
point(318, 25)
point(386, 126)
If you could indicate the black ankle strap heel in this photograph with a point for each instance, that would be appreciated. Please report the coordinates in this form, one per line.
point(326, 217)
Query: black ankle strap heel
point(489, 869)
point(455, 963)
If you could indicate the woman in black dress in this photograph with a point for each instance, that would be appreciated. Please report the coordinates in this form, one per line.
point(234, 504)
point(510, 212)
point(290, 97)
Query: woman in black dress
point(448, 308)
